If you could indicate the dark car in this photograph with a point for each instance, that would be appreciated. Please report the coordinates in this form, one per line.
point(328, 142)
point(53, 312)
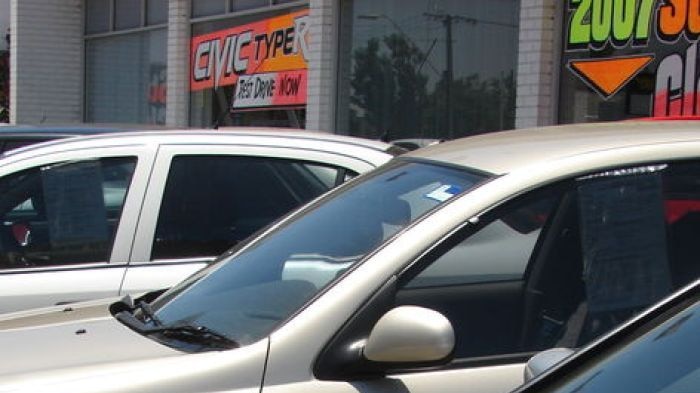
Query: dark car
point(14, 136)
point(414, 143)
point(655, 352)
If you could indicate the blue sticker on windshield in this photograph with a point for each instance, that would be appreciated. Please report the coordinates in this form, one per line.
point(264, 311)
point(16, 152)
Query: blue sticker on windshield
point(443, 193)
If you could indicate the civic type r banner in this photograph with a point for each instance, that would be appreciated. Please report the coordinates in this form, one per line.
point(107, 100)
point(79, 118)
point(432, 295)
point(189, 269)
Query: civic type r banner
point(266, 60)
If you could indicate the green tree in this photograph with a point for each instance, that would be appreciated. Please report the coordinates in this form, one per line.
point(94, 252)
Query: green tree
point(410, 98)
point(372, 86)
point(390, 96)
point(479, 106)
point(388, 93)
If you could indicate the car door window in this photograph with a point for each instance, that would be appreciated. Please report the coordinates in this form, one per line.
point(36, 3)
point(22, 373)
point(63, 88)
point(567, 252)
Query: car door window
point(62, 214)
point(562, 267)
point(477, 282)
point(498, 252)
point(637, 231)
point(211, 203)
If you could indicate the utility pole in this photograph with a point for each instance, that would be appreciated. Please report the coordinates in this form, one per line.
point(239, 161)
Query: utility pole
point(447, 21)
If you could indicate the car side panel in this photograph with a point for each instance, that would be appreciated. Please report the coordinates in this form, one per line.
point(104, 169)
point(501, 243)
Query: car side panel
point(32, 288)
point(237, 371)
point(497, 379)
point(24, 288)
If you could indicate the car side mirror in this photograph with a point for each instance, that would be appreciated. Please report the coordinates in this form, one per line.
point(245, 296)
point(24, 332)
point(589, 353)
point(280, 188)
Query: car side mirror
point(544, 360)
point(410, 334)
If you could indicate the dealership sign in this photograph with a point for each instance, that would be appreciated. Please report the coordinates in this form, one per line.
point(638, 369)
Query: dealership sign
point(609, 42)
point(266, 60)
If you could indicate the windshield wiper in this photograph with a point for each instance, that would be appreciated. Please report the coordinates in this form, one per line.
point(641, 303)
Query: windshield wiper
point(194, 334)
point(148, 313)
point(189, 333)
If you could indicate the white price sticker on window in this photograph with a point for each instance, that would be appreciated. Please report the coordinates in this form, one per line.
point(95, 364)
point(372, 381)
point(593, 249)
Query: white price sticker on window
point(443, 193)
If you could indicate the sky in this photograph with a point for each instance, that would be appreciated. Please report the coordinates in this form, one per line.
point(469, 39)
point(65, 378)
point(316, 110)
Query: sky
point(4, 22)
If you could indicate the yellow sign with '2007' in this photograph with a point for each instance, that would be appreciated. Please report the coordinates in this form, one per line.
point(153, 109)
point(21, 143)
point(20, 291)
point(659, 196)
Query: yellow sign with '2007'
point(609, 42)
point(595, 23)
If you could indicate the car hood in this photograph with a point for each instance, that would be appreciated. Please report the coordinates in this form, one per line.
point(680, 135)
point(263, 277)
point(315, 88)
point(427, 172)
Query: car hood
point(81, 334)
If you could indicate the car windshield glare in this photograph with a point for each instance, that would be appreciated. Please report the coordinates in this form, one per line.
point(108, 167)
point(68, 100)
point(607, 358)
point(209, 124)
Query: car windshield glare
point(659, 361)
point(248, 294)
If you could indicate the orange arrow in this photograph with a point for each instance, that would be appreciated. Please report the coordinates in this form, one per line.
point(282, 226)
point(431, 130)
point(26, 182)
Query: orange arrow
point(607, 76)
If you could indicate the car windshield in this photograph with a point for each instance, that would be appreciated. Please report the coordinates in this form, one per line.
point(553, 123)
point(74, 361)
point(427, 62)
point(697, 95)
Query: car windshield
point(247, 294)
point(661, 361)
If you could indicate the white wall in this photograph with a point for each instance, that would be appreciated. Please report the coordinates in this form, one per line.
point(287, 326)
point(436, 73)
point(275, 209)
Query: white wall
point(46, 62)
point(321, 89)
point(536, 100)
point(178, 81)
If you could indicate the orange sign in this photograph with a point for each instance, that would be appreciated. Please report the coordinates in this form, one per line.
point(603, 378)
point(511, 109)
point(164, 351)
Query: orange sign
point(607, 76)
point(273, 45)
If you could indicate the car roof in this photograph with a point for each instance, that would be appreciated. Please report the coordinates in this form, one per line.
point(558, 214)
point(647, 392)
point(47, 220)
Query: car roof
point(202, 136)
point(503, 152)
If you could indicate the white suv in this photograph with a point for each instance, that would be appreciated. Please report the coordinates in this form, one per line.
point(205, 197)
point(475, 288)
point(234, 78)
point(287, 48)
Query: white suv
point(122, 213)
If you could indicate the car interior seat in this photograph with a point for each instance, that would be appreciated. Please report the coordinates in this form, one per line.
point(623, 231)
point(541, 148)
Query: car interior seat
point(555, 289)
point(684, 249)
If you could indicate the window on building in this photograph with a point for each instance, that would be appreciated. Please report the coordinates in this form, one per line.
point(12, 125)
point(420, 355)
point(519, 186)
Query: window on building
point(202, 8)
point(401, 79)
point(97, 16)
point(125, 78)
point(125, 71)
point(103, 16)
point(127, 14)
point(156, 12)
point(240, 5)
